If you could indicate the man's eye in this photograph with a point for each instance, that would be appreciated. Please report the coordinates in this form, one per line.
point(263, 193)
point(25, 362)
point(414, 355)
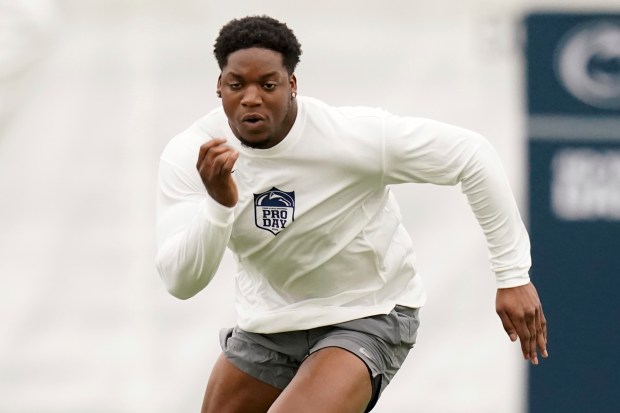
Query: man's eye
point(234, 86)
point(269, 86)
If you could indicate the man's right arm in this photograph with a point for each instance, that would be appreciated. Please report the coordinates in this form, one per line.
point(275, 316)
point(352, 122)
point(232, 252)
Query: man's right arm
point(193, 229)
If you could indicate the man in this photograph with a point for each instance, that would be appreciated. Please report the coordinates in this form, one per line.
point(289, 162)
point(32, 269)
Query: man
point(327, 291)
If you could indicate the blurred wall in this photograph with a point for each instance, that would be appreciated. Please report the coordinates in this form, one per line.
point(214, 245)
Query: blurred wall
point(92, 90)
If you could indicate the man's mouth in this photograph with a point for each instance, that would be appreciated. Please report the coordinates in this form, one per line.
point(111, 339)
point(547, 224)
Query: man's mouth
point(253, 119)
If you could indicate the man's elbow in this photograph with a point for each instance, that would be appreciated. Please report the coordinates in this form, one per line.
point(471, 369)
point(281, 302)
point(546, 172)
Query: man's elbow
point(180, 293)
point(176, 284)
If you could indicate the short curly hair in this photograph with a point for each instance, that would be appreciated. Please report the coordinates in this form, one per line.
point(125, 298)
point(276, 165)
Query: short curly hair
point(257, 31)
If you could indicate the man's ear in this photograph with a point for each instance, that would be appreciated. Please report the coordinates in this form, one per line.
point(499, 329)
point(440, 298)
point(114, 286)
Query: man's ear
point(219, 86)
point(293, 82)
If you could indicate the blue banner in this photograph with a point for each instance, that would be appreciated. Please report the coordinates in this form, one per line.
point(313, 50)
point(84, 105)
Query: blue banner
point(573, 106)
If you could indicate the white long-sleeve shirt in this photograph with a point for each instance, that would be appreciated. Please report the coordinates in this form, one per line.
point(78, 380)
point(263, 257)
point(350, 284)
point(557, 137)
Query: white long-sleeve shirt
point(317, 234)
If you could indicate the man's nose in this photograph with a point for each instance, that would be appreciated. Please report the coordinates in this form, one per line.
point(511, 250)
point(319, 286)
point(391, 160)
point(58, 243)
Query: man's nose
point(252, 96)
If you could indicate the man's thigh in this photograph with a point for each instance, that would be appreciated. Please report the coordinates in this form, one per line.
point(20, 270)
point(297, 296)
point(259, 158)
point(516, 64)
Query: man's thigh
point(230, 390)
point(330, 380)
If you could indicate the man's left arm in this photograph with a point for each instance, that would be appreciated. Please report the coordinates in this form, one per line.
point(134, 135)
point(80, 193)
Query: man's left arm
point(421, 150)
point(484, 182)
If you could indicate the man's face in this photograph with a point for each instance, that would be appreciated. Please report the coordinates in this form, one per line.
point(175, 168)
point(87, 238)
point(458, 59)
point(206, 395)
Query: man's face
point(256, 94)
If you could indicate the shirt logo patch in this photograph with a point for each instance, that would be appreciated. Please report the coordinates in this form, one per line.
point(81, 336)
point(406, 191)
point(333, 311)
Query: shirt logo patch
point(274, 210)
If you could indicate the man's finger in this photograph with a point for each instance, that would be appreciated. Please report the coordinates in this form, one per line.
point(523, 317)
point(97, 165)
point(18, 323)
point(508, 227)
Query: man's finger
point(213, 159)
point(542, 336)
point(229, 163)
point(508, 326)
point(524, 336)
point(224, 161)
point(530, 320)
point(204, 149)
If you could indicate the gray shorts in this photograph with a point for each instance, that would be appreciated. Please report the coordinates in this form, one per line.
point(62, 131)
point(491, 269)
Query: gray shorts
point(382, 342)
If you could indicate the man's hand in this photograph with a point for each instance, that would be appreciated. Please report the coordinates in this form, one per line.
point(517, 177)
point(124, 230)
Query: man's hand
point(522, 316)
point(215, 163)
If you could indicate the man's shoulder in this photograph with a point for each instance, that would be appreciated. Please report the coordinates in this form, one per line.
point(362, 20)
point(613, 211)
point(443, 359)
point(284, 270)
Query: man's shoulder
point(318, 106)
point(357, 121)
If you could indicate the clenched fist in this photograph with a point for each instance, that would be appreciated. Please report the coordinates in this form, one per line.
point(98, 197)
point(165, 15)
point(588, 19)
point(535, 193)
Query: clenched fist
point(215, 165)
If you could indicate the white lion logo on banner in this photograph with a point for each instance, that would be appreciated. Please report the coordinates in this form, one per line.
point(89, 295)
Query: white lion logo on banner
point(588, 63)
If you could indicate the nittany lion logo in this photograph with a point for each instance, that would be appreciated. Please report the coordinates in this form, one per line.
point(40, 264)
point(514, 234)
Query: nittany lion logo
point(274, 210)
point(588, 63)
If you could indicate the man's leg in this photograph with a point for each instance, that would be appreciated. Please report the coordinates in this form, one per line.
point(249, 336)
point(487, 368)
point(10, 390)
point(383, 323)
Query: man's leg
point(331, 380)
point(230, 390)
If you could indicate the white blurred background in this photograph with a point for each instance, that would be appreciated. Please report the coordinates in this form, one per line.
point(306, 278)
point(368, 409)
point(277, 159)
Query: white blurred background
point(91, 91)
